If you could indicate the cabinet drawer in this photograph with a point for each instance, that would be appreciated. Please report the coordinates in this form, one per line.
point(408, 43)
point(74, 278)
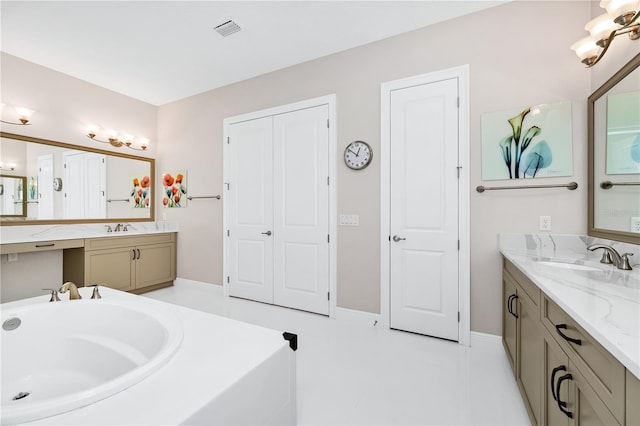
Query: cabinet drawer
point(529, 289)
point(40, 246)
point(600, 369)
point(128, 240)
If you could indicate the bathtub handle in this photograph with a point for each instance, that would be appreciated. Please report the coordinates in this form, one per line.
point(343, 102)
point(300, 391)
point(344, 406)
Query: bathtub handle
point(54, 294)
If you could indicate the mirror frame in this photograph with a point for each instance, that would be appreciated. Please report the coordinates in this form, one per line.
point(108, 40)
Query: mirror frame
point(152, 173)
point(628, 237)
point(24, 198)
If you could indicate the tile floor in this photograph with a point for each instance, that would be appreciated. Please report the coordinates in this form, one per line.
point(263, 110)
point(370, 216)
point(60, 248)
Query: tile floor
point(364, 375)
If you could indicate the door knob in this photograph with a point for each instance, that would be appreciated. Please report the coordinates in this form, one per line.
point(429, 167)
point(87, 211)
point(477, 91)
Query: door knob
point(268, 233)
point(396, 238)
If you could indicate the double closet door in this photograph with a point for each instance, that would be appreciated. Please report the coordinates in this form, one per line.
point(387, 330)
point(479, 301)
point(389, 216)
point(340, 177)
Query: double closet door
point(278, 212)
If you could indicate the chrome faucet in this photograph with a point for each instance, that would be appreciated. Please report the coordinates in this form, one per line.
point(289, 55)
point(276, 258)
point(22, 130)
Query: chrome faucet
point(74, 294)
point(611, 256)
point(118, 227)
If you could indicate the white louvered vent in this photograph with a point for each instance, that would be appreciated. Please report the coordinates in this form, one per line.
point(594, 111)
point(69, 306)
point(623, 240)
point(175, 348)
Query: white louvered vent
point(227, 28)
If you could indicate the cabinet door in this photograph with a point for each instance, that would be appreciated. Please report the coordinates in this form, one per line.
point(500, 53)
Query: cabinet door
point(589, 408)
point(509, 320)
point(555, 366)
point(113, 268)
point(155, 264)
point(529, 357)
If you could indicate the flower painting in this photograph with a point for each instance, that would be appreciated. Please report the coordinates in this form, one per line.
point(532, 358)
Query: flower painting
point(528, 142)
point(140, 196)
point(175, 189)
point(623, 133)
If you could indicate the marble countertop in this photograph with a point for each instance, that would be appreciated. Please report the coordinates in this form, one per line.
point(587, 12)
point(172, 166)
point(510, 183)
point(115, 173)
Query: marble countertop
point(604, 300)
point(38, 233)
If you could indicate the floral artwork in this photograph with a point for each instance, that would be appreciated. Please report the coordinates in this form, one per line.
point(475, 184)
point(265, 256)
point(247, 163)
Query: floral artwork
point(32, 189)
point(140, 196)
point(529, 142)
point(175, 189)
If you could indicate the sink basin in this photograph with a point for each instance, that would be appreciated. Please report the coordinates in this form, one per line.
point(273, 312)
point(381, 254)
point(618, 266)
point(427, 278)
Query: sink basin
point(567, 265)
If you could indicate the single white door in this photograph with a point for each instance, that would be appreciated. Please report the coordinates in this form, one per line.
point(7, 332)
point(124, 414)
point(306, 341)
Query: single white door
point(301, 209)
point(45, 186)
point(73, 186)
point(250, 199)
point(84, 185)
point(96, 190)
point(424, 209)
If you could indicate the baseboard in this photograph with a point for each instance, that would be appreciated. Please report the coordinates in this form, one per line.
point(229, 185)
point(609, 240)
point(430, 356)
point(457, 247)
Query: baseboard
point(183, 282)
point(358, 317)
point(476, 336)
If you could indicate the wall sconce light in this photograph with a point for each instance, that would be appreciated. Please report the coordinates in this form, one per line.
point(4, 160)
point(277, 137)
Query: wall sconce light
point(8, 166)
point(24, 115)
point(114, 140)
point(621, 18)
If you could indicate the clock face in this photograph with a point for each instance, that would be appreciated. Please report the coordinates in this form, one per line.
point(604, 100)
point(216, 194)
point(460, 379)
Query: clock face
point(357, 155)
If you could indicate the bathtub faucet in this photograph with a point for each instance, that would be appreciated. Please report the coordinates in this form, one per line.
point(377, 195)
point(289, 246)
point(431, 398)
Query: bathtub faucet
point(74, 294)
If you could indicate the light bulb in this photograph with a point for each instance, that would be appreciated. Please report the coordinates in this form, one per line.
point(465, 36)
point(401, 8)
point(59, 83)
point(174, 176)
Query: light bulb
point(586, 49)
point(601, 27)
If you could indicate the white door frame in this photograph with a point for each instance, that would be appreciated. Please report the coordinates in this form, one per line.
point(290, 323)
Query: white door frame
point(330, 101)
point(464, 302)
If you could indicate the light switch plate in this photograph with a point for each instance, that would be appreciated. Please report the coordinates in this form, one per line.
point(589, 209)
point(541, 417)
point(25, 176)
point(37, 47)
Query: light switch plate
point(349, 219)
point(12, 257)
point(545, 223)
point(635, 224)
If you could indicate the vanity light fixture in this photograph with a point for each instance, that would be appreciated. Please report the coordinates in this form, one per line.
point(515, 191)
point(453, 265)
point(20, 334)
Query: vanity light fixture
point(8, 166)
point(114, 140)
point(621, 18)
point(24, 115)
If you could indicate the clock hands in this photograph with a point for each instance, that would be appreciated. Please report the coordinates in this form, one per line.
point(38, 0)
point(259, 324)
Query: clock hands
point(349, 149)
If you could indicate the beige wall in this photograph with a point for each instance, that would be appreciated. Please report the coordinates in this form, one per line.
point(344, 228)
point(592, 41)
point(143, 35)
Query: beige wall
point(518, 55)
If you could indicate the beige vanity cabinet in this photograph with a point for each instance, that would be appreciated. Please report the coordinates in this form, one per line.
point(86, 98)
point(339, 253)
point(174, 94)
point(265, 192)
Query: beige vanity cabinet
point(523, 338)
point(131, 263)
point(564, 375)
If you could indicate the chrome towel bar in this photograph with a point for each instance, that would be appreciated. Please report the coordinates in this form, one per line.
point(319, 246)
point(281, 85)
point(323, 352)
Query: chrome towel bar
point(607, 184)
point(217, 197)
point(571, 186)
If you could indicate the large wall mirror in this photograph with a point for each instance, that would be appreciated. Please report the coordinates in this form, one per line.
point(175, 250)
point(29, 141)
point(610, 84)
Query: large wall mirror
point(45, 182)
point(614, 156)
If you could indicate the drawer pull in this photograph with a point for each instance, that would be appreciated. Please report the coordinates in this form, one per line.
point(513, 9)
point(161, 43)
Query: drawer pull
point(510, 305)
point(45, 245)
point(138, 250)
point(134, 254)
point(565, 337)
point(562, 404)
point(553, 379)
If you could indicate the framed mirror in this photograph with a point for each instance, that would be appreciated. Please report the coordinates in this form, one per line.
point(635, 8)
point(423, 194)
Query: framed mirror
point(614, 156)
point(65, 183)
point(13, 203)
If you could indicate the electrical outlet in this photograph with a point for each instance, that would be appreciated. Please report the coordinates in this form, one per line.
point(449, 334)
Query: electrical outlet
point(349, 219)
point(635, 224)
point(545, 223)
point(12, 257)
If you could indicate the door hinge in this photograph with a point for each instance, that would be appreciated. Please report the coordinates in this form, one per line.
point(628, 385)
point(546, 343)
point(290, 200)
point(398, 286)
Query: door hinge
point(103, 161)
point(327, 123)
point(328, 239)
point(459, 167)
point(228, 185)
point(228, 233)
point(228, 279)
point(228, 140)
point(458, 245)
point(458, 102)
point(327, 180)
point(65, 165)
point(328, 296)
point(458, 316)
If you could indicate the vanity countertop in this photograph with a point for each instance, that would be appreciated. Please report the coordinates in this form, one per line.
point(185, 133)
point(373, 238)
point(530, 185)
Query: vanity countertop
point(605, 301)
point(41, 233)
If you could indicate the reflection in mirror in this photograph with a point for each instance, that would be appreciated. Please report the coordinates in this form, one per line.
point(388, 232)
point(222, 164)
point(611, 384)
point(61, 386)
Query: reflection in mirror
point(67, 183)
point(12, 197)
point(614, 137)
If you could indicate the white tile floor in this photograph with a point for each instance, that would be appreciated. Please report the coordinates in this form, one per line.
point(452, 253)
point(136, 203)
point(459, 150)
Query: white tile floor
point(354, 374)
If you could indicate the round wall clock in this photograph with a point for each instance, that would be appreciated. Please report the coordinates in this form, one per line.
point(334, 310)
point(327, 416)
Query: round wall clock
point(358, 155)
point(57, 184)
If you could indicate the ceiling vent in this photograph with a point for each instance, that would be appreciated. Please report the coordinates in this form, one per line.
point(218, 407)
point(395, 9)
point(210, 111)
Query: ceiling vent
point(227, 28)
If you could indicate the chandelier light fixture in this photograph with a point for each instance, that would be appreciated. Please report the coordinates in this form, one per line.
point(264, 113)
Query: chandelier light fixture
point(114, 139)
point(23, 114)
point(621, 18)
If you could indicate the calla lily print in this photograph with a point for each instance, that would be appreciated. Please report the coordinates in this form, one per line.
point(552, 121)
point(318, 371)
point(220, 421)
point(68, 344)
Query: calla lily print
point(535, 142)
point(175, 189)
point(141, 192)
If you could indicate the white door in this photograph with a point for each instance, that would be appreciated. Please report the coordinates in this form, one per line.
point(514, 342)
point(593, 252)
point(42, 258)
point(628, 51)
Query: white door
point(301, 209)
point(278, 209)
point(424, 209)
point(73, 184)
point(250, 200)
point(96, 190)
point(45, 186)
point(84, 185)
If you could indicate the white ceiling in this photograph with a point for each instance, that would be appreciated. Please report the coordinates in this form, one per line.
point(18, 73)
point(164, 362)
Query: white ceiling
point(162, 51)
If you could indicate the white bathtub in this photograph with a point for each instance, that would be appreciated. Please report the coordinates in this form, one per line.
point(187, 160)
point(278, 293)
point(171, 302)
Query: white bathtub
point(66, 355)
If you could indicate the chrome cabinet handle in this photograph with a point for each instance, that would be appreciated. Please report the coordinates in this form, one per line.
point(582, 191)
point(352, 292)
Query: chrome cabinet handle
point(396, 238)
point(268, 233)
